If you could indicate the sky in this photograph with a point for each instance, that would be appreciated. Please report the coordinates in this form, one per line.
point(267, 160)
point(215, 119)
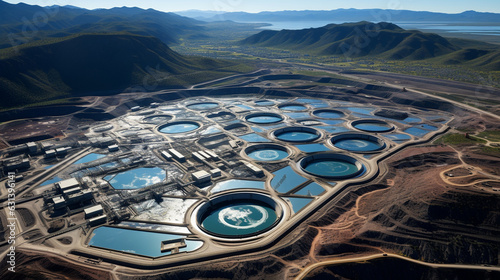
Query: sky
point(253, 6)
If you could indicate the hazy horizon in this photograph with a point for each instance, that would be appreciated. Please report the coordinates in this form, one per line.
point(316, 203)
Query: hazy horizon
point(446, 6)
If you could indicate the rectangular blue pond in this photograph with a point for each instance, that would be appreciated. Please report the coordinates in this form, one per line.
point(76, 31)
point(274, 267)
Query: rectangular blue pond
point(238, 184)
point(298, 202)
point(257, 129)
point(286, 179)
point(51, 181)
point(253, 137)
point(428, 127)
point(416, 131)
point(89, 158)
point(312, 189)
point(312, 148)
point(137, 242)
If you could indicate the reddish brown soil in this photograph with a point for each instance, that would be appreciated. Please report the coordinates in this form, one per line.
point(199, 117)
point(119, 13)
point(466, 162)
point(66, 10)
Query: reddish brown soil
point(33, 266)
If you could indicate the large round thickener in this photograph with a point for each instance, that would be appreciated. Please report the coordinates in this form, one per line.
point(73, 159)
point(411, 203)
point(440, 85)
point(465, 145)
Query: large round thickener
point(238, 215)
point(178, 127)
point(331, 166)
point(372, 125)
point(357, 142)
point(267, 152)
point(297, 134)
point(264, 118)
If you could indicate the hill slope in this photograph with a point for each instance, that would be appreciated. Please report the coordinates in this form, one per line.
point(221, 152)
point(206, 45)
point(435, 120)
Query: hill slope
point(91, 64)
point(21, 23)
point(356, 40)
point(381, 40)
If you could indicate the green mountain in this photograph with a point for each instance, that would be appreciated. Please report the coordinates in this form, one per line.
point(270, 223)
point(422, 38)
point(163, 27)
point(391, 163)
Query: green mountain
point(99, 64)
point(385, 40)
point(21, 23)
point(381, 40)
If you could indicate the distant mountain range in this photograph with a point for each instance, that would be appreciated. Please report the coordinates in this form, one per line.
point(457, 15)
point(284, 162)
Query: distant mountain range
point(93, 64)
point(21, 23)
point(347, 15)
point(382, 40)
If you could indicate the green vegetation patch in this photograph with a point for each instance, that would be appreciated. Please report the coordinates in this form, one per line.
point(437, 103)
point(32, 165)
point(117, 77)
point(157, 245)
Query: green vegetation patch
point(492, 135)
point(458, 139)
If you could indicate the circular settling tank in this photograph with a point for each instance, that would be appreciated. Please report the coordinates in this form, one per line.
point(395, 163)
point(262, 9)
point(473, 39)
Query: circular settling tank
point(203, 106)
point(178, 127)
point(328, 114)
point(331, 166)
point(157, 119)
point(372, 125)
point(267, 152)
point(238, 215)
point(355, 142)
point(292, 107)
point(264, 118)
point(297, 134)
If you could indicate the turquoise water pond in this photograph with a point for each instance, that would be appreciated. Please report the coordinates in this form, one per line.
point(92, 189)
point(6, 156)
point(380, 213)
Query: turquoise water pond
point(286, 179)
point(298, 202)
point(239, 218)
point(137, 242)
point(312, 189)
point(331, 168)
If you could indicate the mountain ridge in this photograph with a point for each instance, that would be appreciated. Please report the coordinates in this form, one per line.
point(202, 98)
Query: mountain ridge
point(381, 40)
point(86, 64)
point(22, 23)
point(354, 15)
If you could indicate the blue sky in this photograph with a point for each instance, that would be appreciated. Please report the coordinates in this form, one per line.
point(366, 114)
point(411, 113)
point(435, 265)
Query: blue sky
point(446, 6)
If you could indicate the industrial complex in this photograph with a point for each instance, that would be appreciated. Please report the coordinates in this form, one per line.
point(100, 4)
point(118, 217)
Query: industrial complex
point(203, 178)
